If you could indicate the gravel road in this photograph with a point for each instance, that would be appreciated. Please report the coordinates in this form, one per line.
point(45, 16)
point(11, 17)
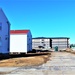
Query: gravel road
point(60, 63)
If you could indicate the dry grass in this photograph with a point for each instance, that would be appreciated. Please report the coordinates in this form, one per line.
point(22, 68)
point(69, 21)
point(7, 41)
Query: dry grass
point(69, 50)
point(24, 61)
point(1, 73)
point(73, 52)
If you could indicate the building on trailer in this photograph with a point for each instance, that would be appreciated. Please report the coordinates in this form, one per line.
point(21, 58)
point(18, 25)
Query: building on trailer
point(20, 41)
point(50, 42)
point(4, 34)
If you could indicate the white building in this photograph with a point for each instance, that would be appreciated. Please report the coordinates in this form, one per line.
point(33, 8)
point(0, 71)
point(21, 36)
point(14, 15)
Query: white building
point(20, 41)
point(50, 42)
point(4, 33)
point(40, 41)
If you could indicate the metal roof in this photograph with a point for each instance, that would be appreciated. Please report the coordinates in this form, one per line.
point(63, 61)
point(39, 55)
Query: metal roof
point(51, 38)
point(19, 31)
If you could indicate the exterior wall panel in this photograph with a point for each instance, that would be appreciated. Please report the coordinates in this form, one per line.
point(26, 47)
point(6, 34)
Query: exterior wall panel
point(52, 42)
point(61, 43)
point(4, 33)
point(29, 41)
point(18, 43)
point(40, 42)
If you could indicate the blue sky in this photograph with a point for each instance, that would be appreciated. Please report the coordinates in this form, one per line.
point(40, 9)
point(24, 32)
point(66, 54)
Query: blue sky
point(48, 18)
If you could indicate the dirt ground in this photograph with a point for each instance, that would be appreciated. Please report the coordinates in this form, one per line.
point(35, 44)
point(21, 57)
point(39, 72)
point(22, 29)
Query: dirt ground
point(59, 63)
point(25, 61)
point(70, 50)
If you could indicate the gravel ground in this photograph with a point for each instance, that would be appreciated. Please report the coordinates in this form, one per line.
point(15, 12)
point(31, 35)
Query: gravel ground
point(60, 63)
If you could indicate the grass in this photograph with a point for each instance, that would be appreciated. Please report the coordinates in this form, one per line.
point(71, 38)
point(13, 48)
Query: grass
point(25, 61)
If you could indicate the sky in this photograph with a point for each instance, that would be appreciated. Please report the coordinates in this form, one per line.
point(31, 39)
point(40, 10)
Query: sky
point(45, 18)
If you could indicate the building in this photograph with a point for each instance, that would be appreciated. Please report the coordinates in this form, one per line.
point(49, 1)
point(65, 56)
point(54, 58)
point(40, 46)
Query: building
point(40, 42)
point(61, 42)
point(4, 33)
point(20, 41)
point(50, 42)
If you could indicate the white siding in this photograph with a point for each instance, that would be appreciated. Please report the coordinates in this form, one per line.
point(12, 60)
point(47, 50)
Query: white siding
point(40, 42)
point(61, 43)
point(18, 43)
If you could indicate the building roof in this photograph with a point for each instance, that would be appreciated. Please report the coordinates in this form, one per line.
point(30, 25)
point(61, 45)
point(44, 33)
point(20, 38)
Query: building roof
point(5, 16)
point(19, 31)
point(51, 38)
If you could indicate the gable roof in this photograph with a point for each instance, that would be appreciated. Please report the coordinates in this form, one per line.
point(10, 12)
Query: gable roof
point(19, 31)
point(4, 16)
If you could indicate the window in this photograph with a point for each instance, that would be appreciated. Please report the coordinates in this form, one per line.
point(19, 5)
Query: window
point(29, 39)
point(42, 39)
point(8, 49)
point(42, 42)
point(0, 42)
point(6, 38)
point(8, 23)
point(0, 26)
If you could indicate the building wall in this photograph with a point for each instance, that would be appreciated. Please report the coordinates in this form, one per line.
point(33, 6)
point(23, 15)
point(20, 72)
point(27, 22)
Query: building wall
point(40, 42)
point(46, 43)
point(61, 43)
point(29, 41)
point(4, 33)
point(50, 43)
point(36, 43)
point(18, 43)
